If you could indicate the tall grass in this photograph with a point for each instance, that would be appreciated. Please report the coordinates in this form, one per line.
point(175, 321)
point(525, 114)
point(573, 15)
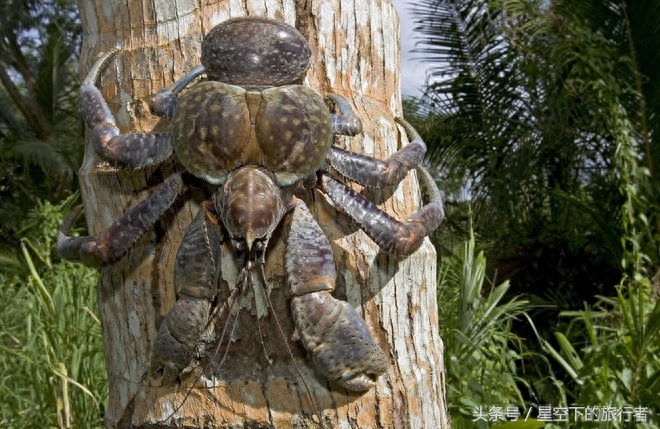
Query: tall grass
point(482, 353)
point(612, 355)
point(611, 351)
point(51, 354)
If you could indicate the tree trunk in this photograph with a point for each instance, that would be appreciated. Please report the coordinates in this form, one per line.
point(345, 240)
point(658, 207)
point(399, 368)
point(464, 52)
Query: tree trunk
point(257, 382)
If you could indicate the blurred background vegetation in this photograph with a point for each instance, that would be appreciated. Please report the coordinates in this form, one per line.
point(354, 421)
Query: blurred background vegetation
point(51, 353)
point(540, 117)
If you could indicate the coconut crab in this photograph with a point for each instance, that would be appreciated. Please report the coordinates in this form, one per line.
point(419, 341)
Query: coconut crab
point(254, 137)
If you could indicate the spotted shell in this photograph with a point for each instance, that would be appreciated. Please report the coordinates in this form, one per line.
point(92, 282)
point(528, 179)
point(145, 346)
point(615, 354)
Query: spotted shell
point(255, 52)
point(218, 128)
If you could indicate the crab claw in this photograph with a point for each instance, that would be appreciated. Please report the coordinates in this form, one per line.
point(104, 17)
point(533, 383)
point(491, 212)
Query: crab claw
point(338, 340)
point(336, 337)
point(177, 338)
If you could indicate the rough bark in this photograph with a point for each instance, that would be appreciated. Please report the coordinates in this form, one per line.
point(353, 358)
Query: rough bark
point(355, 54)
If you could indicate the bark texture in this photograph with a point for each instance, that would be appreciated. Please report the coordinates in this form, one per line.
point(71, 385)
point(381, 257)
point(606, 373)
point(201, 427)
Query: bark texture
point(255, 382)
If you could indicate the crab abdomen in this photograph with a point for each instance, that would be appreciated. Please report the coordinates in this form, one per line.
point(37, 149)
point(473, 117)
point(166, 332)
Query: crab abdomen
point(218, 128)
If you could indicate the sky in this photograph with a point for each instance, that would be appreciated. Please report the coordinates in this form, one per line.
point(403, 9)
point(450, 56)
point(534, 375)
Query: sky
point(413, 71)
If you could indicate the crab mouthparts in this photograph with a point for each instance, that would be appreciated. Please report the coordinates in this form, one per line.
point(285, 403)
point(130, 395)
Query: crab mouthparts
point(251, 206)
point(253, 256)
point(254, 260)
point(250, 237)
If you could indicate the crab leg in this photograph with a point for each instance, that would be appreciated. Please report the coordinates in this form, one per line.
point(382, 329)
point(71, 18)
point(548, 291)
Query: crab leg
point(131, 151)
point(337, 338)
point(164, 102)
point(393, 236)
point(195, 275)
point(372, 172)
point(346, 122)
point(115, 241)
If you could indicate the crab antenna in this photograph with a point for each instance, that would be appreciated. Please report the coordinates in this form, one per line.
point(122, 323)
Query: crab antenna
point(100, 64)
point(231, 335)
point(317, 411)
point(264, 281)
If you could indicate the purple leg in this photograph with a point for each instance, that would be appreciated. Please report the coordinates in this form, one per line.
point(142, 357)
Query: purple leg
point(131, 151)
point(164, 102)
point(195, 277)
point(136, 150)
point(114, 242)
point(372, 172)
point(393, 236)
point(345, 122)
point(336, 337)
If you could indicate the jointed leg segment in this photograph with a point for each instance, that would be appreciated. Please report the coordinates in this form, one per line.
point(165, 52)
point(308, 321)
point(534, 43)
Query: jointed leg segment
point(135, 150)
point(164, 102)
point(373, 172)
point(345, 121)
point(114, 242)
point(392, 235)
point(196, 276)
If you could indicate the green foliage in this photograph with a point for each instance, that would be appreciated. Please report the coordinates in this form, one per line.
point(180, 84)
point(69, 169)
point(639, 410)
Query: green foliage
point(617, 364)
point(50, 337)
point(514, 111)
point(482, 354)
point(41, 139)
point(547, 110)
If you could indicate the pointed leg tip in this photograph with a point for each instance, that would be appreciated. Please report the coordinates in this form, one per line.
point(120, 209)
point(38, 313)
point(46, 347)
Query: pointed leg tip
point(100, 64)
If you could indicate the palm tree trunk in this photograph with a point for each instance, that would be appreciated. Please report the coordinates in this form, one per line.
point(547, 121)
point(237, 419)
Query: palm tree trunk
point(355, 54)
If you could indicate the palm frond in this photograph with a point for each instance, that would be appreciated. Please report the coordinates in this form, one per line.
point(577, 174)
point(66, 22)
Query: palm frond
point(474, 90)
point(517, 105)
point(37, 152)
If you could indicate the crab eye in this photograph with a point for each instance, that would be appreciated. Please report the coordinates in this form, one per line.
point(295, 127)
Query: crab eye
point(259, 246)
point(239, 245)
